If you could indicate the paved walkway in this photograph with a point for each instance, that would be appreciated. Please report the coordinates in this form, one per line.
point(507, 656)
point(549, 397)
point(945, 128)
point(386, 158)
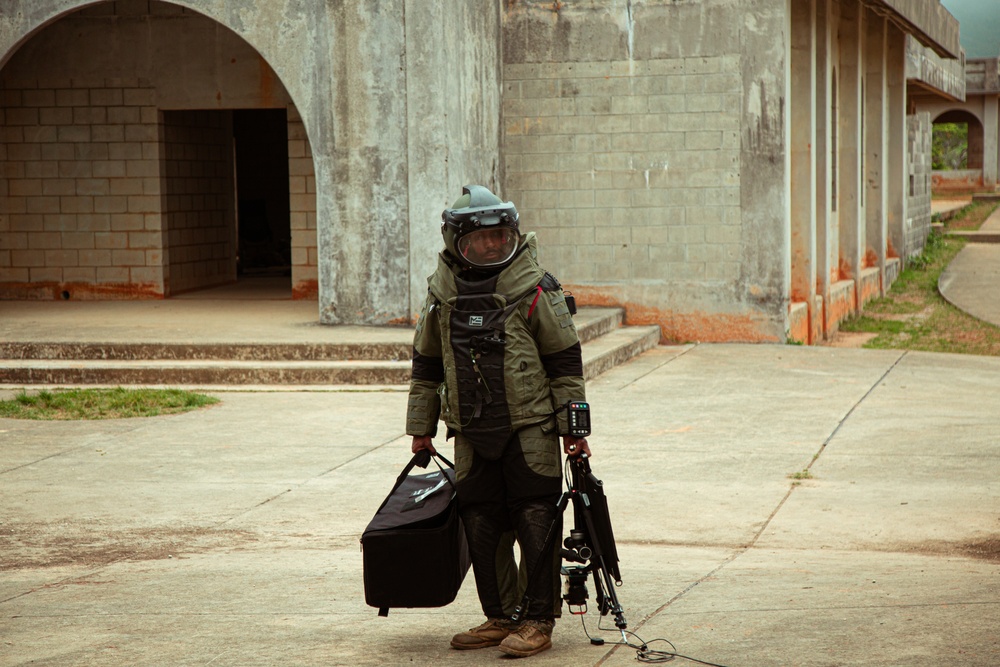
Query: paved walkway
point(773, 506)
point(947, 206)
point(229, 536)
point(972, 280)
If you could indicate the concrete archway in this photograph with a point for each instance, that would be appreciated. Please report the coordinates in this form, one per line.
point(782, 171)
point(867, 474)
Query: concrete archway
point(123, 151)
point(399, 112)
point(969, 174)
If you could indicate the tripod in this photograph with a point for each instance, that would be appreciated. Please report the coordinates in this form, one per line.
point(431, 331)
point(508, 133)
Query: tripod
point(591, 543)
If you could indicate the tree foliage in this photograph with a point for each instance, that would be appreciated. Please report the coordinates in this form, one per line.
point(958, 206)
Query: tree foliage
point(950, 149)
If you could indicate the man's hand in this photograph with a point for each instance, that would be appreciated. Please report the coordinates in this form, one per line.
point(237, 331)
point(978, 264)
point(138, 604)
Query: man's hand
point(574, 446)
point(421, 442)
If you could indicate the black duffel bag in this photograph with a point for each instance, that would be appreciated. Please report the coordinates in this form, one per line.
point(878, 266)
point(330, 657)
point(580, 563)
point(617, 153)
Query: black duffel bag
point(415, 551)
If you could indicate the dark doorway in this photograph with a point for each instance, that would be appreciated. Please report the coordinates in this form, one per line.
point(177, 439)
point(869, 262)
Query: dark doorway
point(263, 222)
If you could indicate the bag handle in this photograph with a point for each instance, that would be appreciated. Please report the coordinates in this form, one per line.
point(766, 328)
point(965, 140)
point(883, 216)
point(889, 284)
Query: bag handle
point(419, 460)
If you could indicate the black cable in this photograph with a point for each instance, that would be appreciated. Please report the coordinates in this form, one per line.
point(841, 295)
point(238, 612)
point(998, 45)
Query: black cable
point(643, 653)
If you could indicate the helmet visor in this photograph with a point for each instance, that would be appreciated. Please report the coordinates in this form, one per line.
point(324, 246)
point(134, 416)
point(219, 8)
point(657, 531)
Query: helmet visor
point(489, 246)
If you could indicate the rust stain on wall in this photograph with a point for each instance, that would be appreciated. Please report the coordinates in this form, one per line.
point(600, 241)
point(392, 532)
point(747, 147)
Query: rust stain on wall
point(868, 290)
point(799, 329)
point(838, 308)
point(305, 289)
point(844, 269)
point(45, 291)
point(679, 327)
point(890, 250)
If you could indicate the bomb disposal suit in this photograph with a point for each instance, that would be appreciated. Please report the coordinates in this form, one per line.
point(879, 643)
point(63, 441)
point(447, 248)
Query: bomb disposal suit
point(495, 356)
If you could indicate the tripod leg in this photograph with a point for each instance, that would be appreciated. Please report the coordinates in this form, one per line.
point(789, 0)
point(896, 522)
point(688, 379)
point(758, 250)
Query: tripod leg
point(601, 573)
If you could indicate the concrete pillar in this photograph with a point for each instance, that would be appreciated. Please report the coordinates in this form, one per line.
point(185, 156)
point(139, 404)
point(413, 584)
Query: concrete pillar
point(823, 159)
point(991, 137)
point(875, 150)
point(850, 204)
point(803, 159)
point(897, 178)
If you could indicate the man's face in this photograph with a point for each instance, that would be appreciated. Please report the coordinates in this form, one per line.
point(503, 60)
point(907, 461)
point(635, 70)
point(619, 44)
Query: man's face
point(488, 247)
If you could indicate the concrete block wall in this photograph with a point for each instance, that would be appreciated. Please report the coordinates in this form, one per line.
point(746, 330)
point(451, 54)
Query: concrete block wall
point(302, 208)
point(919, 135)
point(198, 199)
point(119, 65)
point(80, 199)
point(634, 174)
point(644, 143)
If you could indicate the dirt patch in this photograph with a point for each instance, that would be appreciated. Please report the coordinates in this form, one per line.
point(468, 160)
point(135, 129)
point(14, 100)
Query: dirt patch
point(56, 544)
point(982, 549)
point(849, 339)
point(985, 549)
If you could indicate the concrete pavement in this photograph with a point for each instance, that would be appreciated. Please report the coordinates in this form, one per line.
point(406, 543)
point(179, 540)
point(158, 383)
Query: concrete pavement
point(229, 536)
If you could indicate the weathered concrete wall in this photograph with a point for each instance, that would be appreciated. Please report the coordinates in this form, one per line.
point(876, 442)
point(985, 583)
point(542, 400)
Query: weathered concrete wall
point(654, 169)
point(982, 76)
point(925, 67)
point(930, 22)
point(453, 117)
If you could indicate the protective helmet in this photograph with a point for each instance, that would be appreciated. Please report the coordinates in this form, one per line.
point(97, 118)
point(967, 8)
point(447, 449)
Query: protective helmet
point(479, 230)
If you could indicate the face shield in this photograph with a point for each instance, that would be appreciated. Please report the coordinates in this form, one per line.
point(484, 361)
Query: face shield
point(489, 246)
point(483, 236)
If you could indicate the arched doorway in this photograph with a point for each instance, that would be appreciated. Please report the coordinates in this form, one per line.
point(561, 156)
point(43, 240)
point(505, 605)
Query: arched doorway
point(149, 151)
point(957, 151)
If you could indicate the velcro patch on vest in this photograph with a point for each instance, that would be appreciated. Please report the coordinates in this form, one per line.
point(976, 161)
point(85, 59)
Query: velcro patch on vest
point(475, 320)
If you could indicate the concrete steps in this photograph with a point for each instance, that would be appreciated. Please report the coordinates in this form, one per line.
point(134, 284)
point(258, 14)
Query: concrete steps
point(606, 343)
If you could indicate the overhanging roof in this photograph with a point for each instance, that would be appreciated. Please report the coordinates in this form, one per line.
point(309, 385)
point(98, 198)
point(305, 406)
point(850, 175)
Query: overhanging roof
point(927, 20)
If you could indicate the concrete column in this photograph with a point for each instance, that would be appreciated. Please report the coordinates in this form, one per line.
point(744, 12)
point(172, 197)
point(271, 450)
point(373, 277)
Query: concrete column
point(875, 126)
point(803, 159)
point(897, 178)
point(991, 136)
point(849, 126)
point(823, 159)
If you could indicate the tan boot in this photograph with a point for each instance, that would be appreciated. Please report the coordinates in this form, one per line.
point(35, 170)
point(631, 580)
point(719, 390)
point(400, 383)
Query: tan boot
point(490, 633)
point(530, 638)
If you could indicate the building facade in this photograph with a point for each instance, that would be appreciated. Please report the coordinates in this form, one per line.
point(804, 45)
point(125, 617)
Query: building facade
point(731, 170)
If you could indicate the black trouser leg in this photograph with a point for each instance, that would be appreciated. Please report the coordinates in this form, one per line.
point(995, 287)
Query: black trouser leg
point(491, 549)
point(532, 520)
point(496, 497)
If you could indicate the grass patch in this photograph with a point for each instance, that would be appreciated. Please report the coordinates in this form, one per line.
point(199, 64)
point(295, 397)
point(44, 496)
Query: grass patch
point(117, 403)
point(914, 315)
point(970, 217)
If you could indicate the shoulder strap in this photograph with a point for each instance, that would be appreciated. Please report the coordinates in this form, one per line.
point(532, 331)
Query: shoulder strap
point(550, 283)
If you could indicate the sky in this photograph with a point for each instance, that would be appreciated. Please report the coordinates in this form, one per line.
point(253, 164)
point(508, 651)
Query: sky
point(979, 26)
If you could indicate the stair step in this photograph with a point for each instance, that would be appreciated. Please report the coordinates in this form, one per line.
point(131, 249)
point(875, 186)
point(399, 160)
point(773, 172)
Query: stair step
point(383, 361)
point(361, 344)
point(977, 236)
point(380, 351)
point(202, 372)
point(617, 347)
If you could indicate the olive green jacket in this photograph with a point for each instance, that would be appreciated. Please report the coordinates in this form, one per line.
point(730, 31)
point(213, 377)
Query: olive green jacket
point(543, 366)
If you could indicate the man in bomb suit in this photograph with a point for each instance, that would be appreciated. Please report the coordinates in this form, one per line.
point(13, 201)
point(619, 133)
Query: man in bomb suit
point(497, 357)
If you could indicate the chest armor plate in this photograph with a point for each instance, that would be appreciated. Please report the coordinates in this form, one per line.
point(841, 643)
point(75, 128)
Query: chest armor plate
point(478, 344)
